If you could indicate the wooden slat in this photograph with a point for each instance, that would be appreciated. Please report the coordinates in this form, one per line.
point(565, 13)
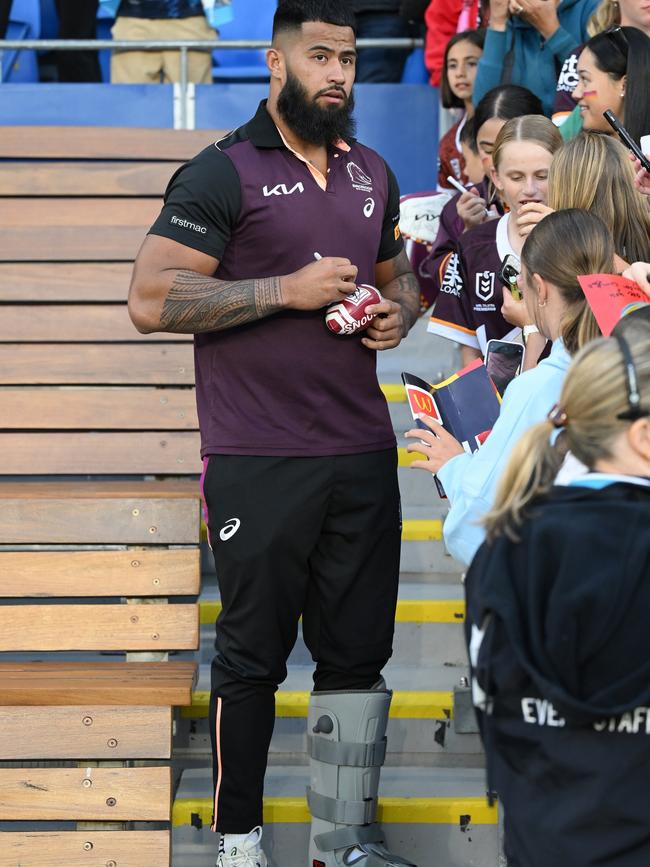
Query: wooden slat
point(88, 364)
point(150, 572)
point(98, 409)
point(35, 178)
point(68, 243)
point(97, 732)
point(87, 142)
point(64, 281)
point(57, 684)
point(54, 848)
point(99, 627)
point(78, 521)
point(165, 453)
point(83, 323)
point(59, 794)
point(100, 490)
point(30, 213)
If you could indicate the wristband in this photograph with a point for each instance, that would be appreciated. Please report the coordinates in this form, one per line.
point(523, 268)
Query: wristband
point(527, 330)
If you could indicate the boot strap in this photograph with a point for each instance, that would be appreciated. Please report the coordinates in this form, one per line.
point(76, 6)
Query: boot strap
point(350, 755)
point(350, 836)
point(341, 812)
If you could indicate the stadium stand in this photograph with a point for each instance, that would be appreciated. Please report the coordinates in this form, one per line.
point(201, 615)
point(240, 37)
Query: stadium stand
point(99, 507)
point(24, 23)
point(252, 19)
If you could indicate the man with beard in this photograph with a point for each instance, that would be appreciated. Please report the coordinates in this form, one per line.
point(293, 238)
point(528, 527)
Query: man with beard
point(300, 466)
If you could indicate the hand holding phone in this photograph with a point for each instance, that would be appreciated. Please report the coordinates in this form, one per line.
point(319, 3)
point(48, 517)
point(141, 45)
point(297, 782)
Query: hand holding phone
point(509, 275)
point(626, 138)
point(503, 360)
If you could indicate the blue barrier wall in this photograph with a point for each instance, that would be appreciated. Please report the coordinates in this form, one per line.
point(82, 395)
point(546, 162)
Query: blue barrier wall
point(149, 105)
point(398, 120)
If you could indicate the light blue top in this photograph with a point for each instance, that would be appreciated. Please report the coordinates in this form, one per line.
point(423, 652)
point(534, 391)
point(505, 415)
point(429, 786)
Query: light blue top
point(470, 481)
point(537, 61)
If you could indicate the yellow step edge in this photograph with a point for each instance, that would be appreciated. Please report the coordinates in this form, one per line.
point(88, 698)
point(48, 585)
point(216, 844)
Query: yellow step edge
point(405, 459)
point(429, 811)
point(413, 530)
point(408, 611)
point(394, 392)
point(405, 705)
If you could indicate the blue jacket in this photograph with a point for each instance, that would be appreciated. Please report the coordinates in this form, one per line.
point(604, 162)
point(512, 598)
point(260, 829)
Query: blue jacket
point(470, 481)
point(160, 9)
point(537, 62)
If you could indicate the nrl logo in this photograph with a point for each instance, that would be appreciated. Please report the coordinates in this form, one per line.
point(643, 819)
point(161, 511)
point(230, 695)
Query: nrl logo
point(485, 285)
point(360, 180)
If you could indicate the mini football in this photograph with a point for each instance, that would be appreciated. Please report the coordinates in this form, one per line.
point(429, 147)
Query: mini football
point(349, 315)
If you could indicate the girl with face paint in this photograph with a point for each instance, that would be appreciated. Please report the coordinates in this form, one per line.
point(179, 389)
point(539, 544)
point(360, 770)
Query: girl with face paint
point(613, 73)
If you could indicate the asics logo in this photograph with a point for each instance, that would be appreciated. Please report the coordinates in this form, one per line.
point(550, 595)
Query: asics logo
point(229, 529)
point(369, 207)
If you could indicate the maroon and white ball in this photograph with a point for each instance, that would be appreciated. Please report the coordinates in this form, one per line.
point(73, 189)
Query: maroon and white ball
point(350, 315)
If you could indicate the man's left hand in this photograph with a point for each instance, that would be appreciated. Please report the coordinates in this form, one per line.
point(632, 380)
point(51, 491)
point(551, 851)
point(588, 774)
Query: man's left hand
point(388, 329)
point(437, 446)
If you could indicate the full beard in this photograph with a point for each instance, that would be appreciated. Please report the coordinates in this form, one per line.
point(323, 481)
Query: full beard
point(310, 122)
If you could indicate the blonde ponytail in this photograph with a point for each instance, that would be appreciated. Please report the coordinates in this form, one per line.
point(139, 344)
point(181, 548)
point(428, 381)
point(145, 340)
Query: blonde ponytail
point(594, 395)
point(530, 473)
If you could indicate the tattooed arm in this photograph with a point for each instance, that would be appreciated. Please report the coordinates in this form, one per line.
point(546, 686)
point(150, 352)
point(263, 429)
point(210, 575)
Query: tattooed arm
point(401, 306)
point(173, 289)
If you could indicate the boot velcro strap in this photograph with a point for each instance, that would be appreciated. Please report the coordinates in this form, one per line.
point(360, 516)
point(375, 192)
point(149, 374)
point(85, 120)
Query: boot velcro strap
point(351, 836)
point(350, 755)
point(341, 812)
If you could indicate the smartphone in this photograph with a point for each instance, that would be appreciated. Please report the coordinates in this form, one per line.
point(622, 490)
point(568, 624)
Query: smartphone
point(509, 275)
point(503, 360)
point(626, 138)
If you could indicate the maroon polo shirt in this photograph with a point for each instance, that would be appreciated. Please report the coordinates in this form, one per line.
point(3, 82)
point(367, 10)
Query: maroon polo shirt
point(470, 293)
point(285, 385)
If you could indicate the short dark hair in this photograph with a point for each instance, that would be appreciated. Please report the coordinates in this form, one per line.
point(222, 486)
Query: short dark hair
point(447, 97)
point(292, 14)
point(468, 135)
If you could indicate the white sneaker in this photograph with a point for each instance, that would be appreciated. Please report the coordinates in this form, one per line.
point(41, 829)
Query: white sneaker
point(249, 854)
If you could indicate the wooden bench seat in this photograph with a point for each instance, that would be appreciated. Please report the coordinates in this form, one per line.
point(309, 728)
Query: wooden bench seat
point(91, 566)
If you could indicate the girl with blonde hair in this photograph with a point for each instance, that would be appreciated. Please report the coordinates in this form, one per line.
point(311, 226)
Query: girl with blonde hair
point(594, 172)
point(470, 294)
point(558, 603)
point(564, 245)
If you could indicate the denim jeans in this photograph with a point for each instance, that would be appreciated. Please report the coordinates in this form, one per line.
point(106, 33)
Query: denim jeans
point(381, 64)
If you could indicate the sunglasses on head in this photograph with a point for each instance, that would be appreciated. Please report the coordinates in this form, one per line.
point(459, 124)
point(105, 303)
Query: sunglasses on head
point(618, 37)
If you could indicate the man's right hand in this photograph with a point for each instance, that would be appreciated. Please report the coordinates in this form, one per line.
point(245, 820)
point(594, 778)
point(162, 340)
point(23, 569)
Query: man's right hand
point(471, 208)
point(318, 284)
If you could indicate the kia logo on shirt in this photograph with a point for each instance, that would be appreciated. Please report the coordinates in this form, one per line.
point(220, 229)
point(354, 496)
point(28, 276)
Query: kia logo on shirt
point(283, 190)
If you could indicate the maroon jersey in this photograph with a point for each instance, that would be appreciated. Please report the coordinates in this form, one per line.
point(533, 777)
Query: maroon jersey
point(468, 309)
point(285, 385)
point(566, 84)
point(450, 229)
point(450, 157)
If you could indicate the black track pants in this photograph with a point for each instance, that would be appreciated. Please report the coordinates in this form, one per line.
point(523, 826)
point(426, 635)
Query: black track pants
point(313, 536)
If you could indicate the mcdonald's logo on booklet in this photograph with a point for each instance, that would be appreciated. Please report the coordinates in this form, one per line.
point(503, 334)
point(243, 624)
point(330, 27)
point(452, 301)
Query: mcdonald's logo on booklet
point(467, 404)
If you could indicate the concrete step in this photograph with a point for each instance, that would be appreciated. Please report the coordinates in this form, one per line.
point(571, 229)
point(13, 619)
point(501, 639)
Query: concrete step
point(436, 817)
point(421, 720)
point(427, 355)
point(428, 625)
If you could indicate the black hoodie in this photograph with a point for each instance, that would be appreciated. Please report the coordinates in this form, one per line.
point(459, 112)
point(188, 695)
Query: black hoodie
point(558, 627)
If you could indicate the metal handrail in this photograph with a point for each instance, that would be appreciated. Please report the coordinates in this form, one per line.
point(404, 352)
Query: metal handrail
point(182, 45)
point(171, 44)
